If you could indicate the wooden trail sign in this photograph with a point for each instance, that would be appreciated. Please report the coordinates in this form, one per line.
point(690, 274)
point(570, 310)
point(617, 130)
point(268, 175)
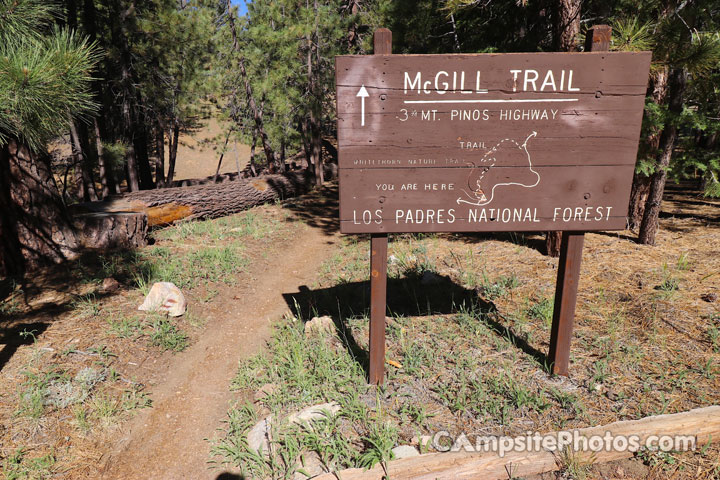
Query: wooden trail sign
point(488, 142)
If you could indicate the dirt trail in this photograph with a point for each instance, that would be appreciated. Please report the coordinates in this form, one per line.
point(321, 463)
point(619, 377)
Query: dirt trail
point(168, 440)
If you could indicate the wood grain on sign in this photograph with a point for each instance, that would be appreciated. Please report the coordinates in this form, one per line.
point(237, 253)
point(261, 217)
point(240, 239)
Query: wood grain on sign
point(488, 142)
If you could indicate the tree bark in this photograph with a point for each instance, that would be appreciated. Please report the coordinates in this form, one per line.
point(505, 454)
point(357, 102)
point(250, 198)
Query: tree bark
point(109, 231)
point(160, 147)
point(121, 32)
point(648, 149)
point(36, 229)
point(143, 158)
point(106, 180)
point(553, 240)
point(313, 122)
point(566, 25)
point(174, 138)
point(638, 198)
point(11, 259)
point(86, 184)
point(651, 216)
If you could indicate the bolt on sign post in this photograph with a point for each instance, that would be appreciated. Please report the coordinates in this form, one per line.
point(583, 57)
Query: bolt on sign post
point(488, 143)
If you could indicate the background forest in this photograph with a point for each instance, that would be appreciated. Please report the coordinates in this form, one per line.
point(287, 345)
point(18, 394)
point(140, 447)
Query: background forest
point(120, 81)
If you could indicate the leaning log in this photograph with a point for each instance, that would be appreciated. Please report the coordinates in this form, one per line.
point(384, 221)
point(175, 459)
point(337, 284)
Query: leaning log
point(168, 205)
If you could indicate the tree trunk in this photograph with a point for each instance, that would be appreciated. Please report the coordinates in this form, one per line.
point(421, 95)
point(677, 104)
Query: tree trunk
point(313, 122)
point(651, 216)
point(160, 147)
point(204, 201)
point(143, 158)
point(105, 174)
point(36, 229)
point(553, 240)
point(566, 26)
point(648, 149)
point(121, 33)
point(85, 182)
point(11, 259)
point(222, 155)
point(82, 193)
point(132, 170)
point(173, 138)
point(638, 198)
point(252, 153)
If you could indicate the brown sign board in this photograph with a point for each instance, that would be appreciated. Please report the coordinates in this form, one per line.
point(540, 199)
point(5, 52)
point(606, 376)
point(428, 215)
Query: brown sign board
point(488, 142)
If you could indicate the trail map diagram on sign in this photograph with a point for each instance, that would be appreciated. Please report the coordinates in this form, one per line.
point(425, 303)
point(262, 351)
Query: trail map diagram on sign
point(483, 178)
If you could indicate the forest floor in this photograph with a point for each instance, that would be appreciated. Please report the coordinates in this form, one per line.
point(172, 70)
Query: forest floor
point(90, 387)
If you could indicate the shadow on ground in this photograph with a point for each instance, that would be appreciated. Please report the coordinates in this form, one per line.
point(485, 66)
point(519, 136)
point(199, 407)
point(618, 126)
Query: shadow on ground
point(229, 476)
point(29, 305)
point(410, 296)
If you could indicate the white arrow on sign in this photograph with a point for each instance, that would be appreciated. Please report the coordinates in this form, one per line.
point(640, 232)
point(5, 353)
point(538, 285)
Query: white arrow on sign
point(362, 93)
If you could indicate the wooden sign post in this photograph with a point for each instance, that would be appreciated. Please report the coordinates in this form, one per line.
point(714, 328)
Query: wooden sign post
point(487, 143)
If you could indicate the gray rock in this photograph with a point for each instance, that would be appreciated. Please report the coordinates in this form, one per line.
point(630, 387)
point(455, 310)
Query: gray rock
point(260, 436)
point(311, 466)
point(319, 325)
point(405, 451)
point(314, 412)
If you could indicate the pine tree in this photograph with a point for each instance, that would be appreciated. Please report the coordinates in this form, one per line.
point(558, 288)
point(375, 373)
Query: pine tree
point(281, 71)
point(688, 47)
point(45, 75)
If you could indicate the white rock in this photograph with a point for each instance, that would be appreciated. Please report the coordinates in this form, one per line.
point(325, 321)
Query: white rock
point(260, 435)
point(314, 412)
point(165, 297)
point(319, 324)
point(311, 465)
point(405, 451)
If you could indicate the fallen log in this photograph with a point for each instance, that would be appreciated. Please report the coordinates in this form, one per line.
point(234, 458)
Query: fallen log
point(165, 206)
point(701, 423)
